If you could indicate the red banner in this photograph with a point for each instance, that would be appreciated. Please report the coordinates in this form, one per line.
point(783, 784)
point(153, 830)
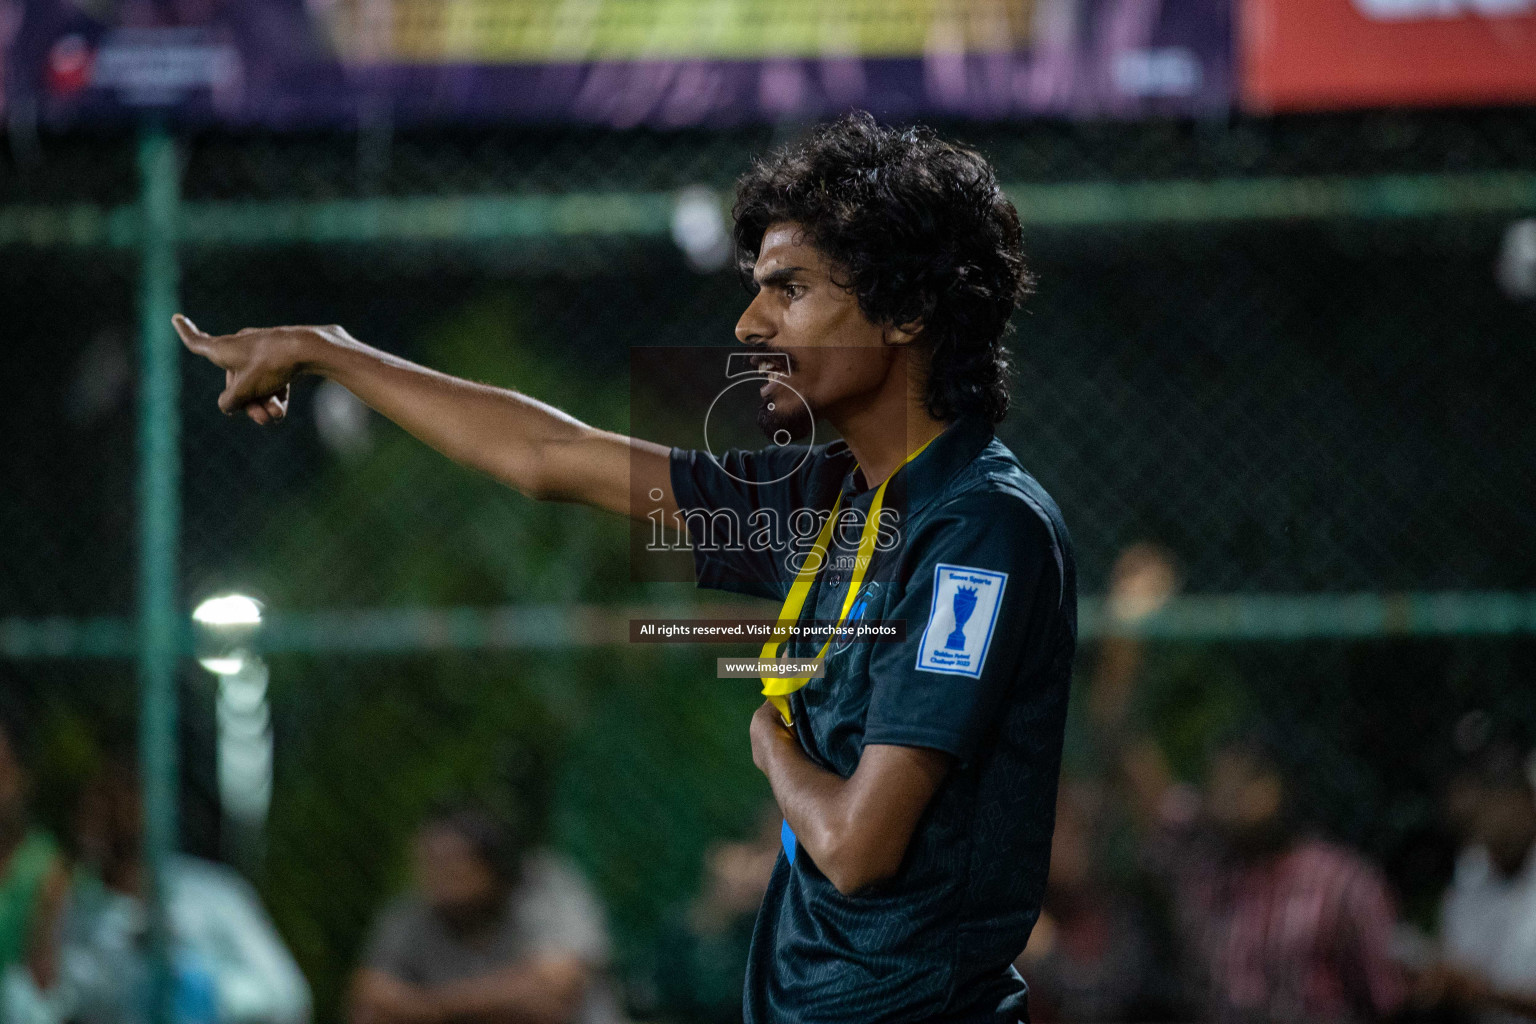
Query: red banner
point(1330, 54)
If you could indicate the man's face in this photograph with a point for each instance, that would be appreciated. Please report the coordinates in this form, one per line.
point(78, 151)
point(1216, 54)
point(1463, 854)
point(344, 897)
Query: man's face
point(453, 876)
point(838, 359)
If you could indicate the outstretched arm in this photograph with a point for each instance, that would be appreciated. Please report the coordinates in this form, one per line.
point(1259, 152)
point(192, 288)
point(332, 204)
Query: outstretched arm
point(531, 447)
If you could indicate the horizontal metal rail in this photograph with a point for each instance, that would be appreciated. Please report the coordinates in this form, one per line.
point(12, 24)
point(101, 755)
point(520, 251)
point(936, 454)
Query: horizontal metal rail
point(471, 219)
point(396, 631)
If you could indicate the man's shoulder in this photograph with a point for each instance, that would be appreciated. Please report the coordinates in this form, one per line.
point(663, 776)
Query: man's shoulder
point(996, 492)
point(1315, 852)
point(998, 470)
point(791, 466)
point(803, 459)
point(808, 459)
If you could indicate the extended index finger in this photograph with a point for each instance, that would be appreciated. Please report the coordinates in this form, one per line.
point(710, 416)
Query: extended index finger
point(199, 341)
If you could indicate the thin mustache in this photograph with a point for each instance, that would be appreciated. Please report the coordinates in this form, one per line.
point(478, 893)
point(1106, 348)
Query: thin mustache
point(761, 349)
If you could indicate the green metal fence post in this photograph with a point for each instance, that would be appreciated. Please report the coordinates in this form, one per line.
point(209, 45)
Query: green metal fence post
point(159, 522)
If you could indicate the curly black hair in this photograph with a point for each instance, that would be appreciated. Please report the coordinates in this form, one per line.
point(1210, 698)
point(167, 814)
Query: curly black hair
point(919, 230)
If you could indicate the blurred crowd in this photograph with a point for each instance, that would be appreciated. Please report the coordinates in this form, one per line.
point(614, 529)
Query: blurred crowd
point(1233, 906)
point(75, 930)
point(489, 930)
point(1219, 901)
point(1168, 900)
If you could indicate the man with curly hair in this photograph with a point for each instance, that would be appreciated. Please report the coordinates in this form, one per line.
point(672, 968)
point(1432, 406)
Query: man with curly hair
point(917, 776)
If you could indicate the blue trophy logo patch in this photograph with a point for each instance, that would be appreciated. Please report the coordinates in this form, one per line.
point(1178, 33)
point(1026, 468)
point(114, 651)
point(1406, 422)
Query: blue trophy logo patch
point(965, 604)
point(961, 619)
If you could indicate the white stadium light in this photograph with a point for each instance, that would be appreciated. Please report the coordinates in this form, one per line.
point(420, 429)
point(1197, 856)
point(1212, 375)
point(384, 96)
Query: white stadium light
point(1517, 260)
point(699, 229)
point(228, 622)
point(342, 420)
point(229, 610)
point(242, 711)
point(244, 719)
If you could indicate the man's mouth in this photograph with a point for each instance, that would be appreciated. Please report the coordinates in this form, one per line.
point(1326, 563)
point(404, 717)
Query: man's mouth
point(770, 364)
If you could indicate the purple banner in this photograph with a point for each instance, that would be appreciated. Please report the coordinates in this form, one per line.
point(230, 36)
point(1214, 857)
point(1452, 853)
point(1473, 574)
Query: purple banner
point(663, 63)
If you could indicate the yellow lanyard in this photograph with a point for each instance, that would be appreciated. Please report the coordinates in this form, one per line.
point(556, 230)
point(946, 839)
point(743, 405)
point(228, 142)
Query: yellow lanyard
point(778, 688)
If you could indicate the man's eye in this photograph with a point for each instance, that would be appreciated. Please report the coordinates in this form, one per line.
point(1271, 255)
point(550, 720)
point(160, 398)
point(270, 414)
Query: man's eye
point(794, 291)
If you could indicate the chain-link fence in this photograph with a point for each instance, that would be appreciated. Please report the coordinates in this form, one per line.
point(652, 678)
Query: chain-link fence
point(1280, 348)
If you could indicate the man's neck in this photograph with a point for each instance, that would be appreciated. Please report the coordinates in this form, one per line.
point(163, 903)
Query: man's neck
point(882, 438)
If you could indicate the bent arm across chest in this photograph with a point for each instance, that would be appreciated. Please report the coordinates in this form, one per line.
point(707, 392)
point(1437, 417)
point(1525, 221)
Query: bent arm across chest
point(856, 830)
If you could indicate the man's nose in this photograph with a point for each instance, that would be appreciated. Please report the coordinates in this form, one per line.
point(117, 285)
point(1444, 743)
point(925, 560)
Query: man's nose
point(753, 327)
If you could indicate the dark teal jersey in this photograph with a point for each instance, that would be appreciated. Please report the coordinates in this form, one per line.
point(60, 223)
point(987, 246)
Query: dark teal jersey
point(975, 560)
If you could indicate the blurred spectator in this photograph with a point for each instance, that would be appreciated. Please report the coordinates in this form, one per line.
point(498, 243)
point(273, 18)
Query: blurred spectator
point(1091, 955)
point(1488, 919)
point(702, 956)
point(1274, 925)
point(229, 962)
point(33, 882)
point(491, 934)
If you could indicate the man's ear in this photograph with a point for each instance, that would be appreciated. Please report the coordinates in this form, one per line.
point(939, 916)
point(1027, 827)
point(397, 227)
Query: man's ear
point(906, 334)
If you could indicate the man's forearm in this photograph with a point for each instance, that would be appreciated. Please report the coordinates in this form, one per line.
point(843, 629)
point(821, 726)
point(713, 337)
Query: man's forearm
point(855, 830)
point(541, 992)
point(812, 801)
point(517, 440)
point(522, 442)
point(490, 429)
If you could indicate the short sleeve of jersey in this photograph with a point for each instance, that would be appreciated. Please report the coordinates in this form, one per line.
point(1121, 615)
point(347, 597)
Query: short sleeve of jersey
point(982, 600)
point(727, 500)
